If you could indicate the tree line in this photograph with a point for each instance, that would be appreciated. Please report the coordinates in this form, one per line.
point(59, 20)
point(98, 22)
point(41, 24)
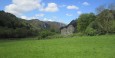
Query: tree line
point(89, 23)
point(14, 27)
point(101, 23)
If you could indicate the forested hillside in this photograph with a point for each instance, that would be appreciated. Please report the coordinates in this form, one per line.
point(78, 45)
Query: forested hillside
point(14, 27)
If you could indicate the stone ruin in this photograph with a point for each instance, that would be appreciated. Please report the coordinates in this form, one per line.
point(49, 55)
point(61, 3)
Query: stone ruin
point(69, 29)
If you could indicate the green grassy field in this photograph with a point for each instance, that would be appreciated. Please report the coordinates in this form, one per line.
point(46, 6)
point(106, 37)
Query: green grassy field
point(76, 47)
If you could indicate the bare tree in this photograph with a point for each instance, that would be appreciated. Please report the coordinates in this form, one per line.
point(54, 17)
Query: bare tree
point(100, 9)
point(112, 6)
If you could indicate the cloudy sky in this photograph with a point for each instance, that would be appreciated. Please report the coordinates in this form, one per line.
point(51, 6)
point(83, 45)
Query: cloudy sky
point(51, 10)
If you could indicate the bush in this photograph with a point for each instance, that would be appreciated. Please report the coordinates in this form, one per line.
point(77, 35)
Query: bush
point(84, 20)
point(6, 32)
point(79, 34)
point(55, 36)
point(90, 31)
point(44, 34)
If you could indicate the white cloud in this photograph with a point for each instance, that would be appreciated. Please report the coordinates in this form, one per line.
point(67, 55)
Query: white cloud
point(72, 7)
point(24, 17)
point(18, 7)
point(52, 7)
point(40, 15)
point(46, 19)
point(32, 18)
point(28, 18)
point(37, 16)
point(85, 3)
point(69, 15)
point(79, 12)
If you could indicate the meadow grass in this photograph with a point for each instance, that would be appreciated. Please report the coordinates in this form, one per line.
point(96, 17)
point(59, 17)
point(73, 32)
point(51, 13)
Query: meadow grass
point(75, 47)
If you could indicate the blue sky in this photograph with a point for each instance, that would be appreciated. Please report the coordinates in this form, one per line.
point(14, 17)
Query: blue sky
point(51, 10)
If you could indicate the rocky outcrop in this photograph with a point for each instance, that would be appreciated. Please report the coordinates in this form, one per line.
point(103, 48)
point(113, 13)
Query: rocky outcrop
point(37, 24)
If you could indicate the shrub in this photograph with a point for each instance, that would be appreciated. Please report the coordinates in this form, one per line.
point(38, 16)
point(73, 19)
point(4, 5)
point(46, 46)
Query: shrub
point(90, 31)
point(44, 34)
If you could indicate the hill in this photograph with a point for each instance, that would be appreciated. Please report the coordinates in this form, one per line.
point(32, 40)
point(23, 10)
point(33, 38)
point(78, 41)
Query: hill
point(14, 27)
point(37, 24)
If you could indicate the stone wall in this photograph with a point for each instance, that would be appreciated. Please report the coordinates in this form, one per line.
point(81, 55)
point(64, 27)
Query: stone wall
point(68, 30)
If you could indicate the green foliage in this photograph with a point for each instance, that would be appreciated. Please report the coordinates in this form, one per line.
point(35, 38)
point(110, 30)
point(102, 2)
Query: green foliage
point(112, 27)
point(105, 21)
point(56, 36)
point(44, 34)
point(84, 20)
point(103, 24)
point(13, 27)
point(90, 31)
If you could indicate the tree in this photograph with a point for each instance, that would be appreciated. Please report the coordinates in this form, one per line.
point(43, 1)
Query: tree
point(13, 27)
point(105, 20)
point(111, 6)
point(100, 9)
point(84, 20)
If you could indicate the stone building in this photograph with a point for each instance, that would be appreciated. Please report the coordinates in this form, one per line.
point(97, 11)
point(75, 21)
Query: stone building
point(69, 29)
